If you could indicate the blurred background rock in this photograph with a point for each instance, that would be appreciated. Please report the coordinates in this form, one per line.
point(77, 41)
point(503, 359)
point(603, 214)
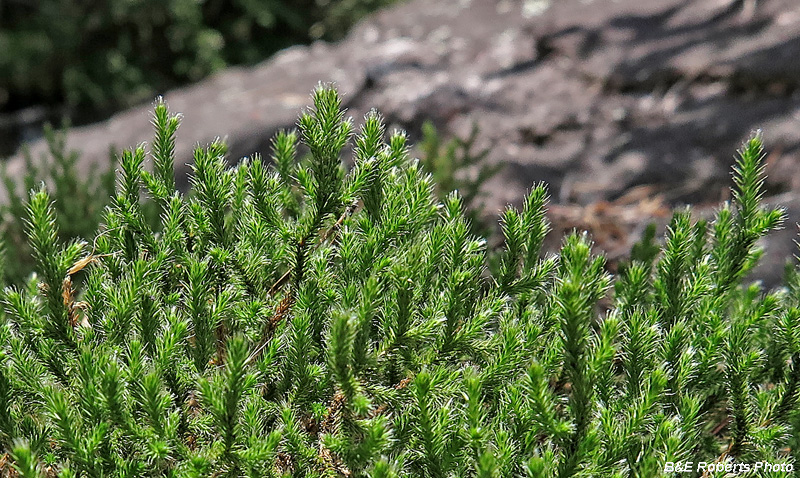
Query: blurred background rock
point(626, 108)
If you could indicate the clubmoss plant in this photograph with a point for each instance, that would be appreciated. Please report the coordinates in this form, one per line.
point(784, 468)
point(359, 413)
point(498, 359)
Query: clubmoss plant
point(300, 320)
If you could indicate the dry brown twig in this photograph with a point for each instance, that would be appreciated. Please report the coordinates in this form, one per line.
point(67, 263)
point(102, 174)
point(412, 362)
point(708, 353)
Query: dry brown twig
point(329, 425)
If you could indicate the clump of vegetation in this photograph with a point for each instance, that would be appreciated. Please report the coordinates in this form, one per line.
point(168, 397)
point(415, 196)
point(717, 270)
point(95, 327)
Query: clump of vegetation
point(297, 319)
point(79, 197)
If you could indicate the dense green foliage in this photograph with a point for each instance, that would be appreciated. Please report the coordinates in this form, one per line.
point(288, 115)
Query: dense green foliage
point(297, 319)
point(107, 54)
point(79, 199)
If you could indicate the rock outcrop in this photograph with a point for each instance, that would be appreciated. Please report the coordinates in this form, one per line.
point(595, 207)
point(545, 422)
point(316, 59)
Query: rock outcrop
point(627, 107)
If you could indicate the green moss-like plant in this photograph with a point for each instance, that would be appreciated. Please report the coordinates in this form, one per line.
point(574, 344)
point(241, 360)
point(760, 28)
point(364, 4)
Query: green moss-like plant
point(296, 320)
